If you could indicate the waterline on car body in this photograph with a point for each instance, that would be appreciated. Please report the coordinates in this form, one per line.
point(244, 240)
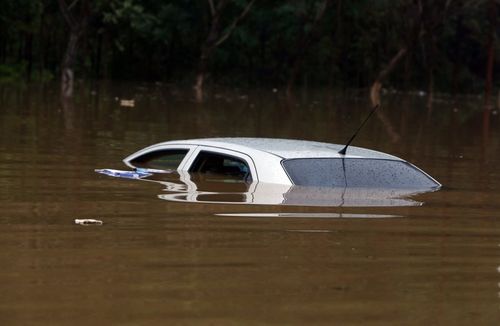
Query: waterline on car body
point(181, 186)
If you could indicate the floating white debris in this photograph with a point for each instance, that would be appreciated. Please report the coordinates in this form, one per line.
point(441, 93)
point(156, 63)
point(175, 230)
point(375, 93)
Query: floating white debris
point(87, 221)
point(127, 103)
point(137, 174)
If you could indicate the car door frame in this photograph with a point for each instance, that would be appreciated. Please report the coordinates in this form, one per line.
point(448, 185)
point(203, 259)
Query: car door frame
point(190, 148)
point(188, 161)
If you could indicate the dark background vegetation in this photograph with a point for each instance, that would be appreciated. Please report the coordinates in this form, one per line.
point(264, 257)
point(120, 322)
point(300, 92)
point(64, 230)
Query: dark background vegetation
point(447, 45)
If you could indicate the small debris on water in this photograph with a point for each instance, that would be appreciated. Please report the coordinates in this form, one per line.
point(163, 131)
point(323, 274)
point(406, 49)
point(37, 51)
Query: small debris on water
point(127, 103)
point(139, 173)
point(88, 221)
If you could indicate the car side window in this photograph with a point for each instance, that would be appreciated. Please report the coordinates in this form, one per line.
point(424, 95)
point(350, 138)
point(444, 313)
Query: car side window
point(221, 164)
point(163, 159)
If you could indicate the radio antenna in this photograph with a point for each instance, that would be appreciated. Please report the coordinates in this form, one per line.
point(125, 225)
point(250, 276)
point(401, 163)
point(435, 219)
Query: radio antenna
point(343, 150)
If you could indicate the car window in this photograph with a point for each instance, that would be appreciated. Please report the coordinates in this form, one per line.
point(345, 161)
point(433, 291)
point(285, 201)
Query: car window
point(354, 172)
point(221, 164)
point(164, 159)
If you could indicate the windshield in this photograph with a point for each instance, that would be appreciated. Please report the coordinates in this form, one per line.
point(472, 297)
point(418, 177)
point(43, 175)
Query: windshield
point(356, 172)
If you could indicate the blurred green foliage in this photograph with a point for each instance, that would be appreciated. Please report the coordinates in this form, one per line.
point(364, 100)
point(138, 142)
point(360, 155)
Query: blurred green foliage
point(160, 41)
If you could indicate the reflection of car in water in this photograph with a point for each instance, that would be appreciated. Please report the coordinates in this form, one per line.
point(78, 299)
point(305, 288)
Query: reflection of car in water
point(186, 187)
point(286, 162)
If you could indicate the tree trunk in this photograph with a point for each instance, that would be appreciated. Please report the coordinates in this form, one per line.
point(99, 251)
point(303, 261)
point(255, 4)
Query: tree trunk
point(413, 36)
point(98, 56)
point(377, 84)
point(214, 39)
point(491, 53)
point(2, 51)
point(498, 100)
point(28, 54)
point(206, 51)
point(67, 73)
point(302, 46)
point(200, 77)
point(297, 63)
point(431, 53)
point(77, 26)
point(337, 38)
point(430, 89)
point(41, 46)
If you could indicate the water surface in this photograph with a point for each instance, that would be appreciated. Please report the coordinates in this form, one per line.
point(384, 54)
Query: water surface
point(157, 261)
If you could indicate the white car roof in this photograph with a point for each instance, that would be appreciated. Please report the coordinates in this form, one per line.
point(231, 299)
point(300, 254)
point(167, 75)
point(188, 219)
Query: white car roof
point(284, 148)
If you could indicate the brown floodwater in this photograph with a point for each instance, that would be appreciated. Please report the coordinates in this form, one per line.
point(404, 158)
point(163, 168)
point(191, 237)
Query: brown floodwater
point(164, 257)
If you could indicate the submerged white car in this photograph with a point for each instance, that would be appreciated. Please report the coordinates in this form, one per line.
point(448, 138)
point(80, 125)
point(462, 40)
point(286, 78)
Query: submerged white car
point(283, 161)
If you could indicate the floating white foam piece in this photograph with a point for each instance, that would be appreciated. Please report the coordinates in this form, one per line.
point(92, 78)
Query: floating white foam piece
point(88, 221)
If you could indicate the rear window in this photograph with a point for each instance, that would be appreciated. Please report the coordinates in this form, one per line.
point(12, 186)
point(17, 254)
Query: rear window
point(354, 172)
point(167, 159)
